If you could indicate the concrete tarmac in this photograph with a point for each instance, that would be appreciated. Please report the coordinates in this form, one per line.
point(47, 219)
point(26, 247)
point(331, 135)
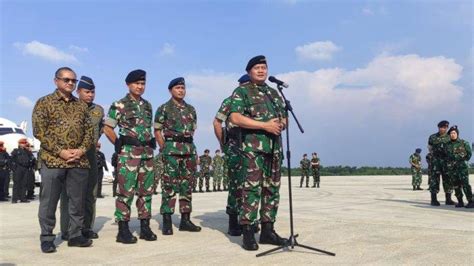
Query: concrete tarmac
point(363, 219)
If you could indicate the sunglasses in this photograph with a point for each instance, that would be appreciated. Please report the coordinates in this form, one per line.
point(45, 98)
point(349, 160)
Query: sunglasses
point(67, 80)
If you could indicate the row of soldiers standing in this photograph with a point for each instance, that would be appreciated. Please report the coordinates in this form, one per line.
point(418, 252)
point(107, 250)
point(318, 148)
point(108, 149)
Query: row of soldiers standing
point(219, 172)
point(310, 166)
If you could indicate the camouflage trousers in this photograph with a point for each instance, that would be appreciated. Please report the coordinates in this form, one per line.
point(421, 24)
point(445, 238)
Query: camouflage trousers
point(234, 198)
point(438, 170)
point(316, 176)
point(217, 178)
point(205, 175)
point(226, 177)
point(135, 176)
point(460, 180)
point(415, 176)
point(304, 173)
point(261, 185)
point(178, 177)
point(156, 181)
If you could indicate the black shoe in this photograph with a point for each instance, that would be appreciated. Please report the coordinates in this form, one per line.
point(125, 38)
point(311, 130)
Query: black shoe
point(207, 190)
point(414, 188)
point(248, 239)
point(79, 241)
point(145, 231)
point(434, 199)
point(318, 185)
point(3, 199)
point(32, 197)
point(90, 234)
point(418, 188)
point(449, 201)
point(24, 201)
point(124, 235)
point(48, 247)
point(101, 197)
point(187, 225)
point(167, 227)
point(14, 201)
point(234, 227)
point(470, 204)
point(219, 189)
point(269, 236)
point(200, 190)
point(64, 237)
point(194, 191)
point(460, 203)
point(314, 186)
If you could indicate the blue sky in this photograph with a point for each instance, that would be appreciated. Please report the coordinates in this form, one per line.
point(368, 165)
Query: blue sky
point(368, 79)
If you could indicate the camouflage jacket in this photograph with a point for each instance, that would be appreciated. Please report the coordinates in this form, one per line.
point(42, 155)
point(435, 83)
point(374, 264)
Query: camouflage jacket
point(217, 162)
point(60, 123)
point(205, 162)
point(96, 113)
point(158, 165)
point(134, 119)
point(305, 163)
point(458, 154)
point(176, 121)
point(415, 159)
point(315, 163)
point(260, 103)
point(438, 143)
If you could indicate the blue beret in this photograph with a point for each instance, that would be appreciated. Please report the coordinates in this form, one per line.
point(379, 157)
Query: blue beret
point(176, 81)
point(443, 123)
point(86, 83)
point(259, 59)
point(418, 150)
point(135, 76)
point(244, 79)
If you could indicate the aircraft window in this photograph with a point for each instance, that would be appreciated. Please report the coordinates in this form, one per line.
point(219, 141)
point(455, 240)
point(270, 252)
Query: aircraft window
point(20, 131)
point(6, 130)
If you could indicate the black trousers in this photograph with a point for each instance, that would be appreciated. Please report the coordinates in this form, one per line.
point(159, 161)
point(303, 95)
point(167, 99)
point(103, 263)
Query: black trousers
point(20, 178)
point(4, 176)
point(100, 177)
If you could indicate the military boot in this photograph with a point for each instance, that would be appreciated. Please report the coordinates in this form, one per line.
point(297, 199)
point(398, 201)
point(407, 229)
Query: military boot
point(124, 235)
point(449, 201)
point(460, 203)
point(234, 227)
point(414, 188)
point(470, 204)
point(200, 190)
point(318, 184)
point(248, 239)
point(207, 189)
point(214, 189)
point(434, 199)
point(145, 231)
point(269, 236)
point(301, 183)
point(167, 227)
point(418, 188)
point(187, 225)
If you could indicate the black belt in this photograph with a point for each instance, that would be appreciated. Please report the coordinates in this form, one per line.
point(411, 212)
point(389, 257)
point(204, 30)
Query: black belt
point(181, 139)
point(126, 140)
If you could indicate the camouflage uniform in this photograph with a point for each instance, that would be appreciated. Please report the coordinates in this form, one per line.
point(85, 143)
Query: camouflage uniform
point(415, 159)
point(177, 124)
point(458, 155)
point(438, 166)
point(135, 162)
point(429, 161)
point(218, 167)
point(205, 162)
point(159, 167)
point(305, 163)
point(315, 171)
point(262, 152)
point(225, 174)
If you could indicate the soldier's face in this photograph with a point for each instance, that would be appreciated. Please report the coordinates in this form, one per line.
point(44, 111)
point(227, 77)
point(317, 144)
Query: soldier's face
point(453, 135)
point(443, 130)
point(66, 81)
point(178, 92)
point(258, 73)
point(87, 96)
point(137, 88)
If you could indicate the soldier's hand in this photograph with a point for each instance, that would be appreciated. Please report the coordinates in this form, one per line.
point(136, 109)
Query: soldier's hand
point(273, 126)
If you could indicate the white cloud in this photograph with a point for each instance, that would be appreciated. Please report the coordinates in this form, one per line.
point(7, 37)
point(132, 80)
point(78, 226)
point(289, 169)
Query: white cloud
point(78, 49)
point(367, 11)
point(317, 51)
point(45, 51)
point(24, 102)
point(167, 49)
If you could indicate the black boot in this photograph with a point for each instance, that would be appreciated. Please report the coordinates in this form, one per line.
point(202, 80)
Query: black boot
point(470, 204)
point(167, 227)
point(414, 188)
point(187, 225)
point(200, 190)
point(124, 235)
point(256, 228)
point(207, 190)
point(301, 183)
point(460, 203)
point(269, 236)
point(434, 199)
point(145, 231)
point(248, 238)
point(318, 184)
point(449, 201)
point(418, 188)
point(234, 227)
point(214, 189)
point(79, 241)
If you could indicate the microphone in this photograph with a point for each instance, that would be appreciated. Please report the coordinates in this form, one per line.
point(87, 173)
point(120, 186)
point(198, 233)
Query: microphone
point(278, 82)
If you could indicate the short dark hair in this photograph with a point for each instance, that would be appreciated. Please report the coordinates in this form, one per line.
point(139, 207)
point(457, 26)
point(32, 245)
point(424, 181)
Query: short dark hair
point(61, 69)
point(218, 150)
point(206, 150)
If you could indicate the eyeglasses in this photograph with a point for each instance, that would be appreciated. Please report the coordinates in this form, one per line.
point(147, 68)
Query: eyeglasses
point(67, 80)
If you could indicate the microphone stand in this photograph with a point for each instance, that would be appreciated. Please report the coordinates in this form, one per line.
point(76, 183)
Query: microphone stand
point(292, 239)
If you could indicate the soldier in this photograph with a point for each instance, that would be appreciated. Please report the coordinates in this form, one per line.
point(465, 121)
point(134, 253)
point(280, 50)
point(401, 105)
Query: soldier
point(259, 111)
point(101, 165)
point(315, 166)
point(159, 168)
point(429, 161)
point(175, 123)
point(4, 171)
point(114, 162)
point(218, 167)
point(21, 163)
point(86, 94)
point(133, 115)
point(30, 183)
point(437, 144)
point(62, 124)
point(205, 162)
point(415, 163)
point(458, 154)
point(304, 170)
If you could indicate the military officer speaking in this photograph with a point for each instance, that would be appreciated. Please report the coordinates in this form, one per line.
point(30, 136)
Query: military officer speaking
point(134, 146)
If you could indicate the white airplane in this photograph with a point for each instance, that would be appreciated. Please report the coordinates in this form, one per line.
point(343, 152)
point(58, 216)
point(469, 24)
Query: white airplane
point(10, 133)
